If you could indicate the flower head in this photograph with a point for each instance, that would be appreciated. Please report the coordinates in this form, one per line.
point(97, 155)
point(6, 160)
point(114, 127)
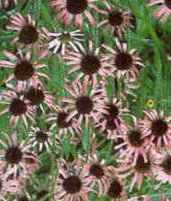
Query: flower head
point(162, 160)
point(125, 63)
point(98, 172)
point(110, 120)
point(70, 11)
point(59, 120)
point(19, 160)
point(89, 62)
point(157, 128)
point(40, 138)
point(138, 171)
point(17, 107)
point(133, 145)
point(71, 183)
point(116, 20)
point(25, 70)
point(164, 9)
point(38, 96)
point(61, 42)
point(28, 34)
point(84, 101)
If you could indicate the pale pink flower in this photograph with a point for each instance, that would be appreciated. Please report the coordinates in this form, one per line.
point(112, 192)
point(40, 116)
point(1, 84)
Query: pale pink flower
point(61, 42)
point(157, 128)
point(17, 107)
point(71, 11)
point(124, 63)
point(164, 9)
point(162, 172)
point(133, 144)
point(18, 157)
point(90, 63)
point(40, 138)
point(25, 69)
point(116, 20)
point(84, 101)
point(39, 96)
point(98, 172)
point(71, 183)
point(138, 171)
point(64, 126)
point(28, 34)
point(110, 121)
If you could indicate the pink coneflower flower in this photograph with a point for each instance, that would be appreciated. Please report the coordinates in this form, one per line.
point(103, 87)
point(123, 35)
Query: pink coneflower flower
point(60, 121)
point(61, 42)
point(157, 128)
point(74, 11)
point(10, 185)
point(25, 70)
point(110, 121)
point(38, 96)
point(162, 172)
point(18, 157)
point(98, 173)
point(89, 62)
point(85, 101)
point(116, 189)
point(71, 184)
point(164, 9)
point(16, 183)
point(7, 4)
point(133, 145)
point(17, 107)
point(117, 20)
point(125, 63)
point(40, 138)
point(25, 26)
point(137, 171)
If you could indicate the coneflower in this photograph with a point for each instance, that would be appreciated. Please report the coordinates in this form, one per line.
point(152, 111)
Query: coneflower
point(90, 63)
point(164, 9)
point(17, 106)
point(157, 128)
point(71, 11)
point(116, 20)
point(25, 69)
point(124, 63)
point(20, 161)
point(71, 184)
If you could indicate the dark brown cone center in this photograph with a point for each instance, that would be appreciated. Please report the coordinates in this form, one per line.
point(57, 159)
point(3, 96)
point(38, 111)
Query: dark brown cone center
point(115, 189)
point(23, 70)
point(72, 184)
point(13, 155)
point(97, 171)
point(28, 35)
point(36, 96)
point(17, 107)
point(90, 64)
point(62, 120)
point(84, 105)
point(76, 7)
point(115, 18)
point(123, 61)
point(159, 127)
